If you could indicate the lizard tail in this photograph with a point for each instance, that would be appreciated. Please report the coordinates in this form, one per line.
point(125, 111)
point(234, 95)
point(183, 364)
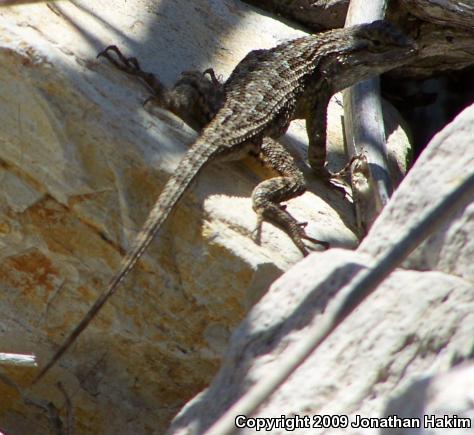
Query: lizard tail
point(190, 165)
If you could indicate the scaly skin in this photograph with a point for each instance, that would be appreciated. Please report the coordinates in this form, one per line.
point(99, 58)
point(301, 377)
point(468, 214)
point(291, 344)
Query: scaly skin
point(265, 92)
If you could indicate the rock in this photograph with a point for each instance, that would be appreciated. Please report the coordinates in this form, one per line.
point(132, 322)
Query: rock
point(81, 163)
point(448, 159)
point(440, 403)
point(418, 323)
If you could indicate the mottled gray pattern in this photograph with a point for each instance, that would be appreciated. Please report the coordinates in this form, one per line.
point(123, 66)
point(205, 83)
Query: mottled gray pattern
point(267, 90)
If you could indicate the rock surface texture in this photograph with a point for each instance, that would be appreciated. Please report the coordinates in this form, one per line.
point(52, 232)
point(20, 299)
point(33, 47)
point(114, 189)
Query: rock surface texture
point(447, 394)
point(418, 323)
point(82, 162)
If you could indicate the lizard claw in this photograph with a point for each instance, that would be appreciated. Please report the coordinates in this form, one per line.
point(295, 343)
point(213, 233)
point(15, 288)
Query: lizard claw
point(343, 175)
point(340, 180)
point(296, 230)
point(324, 244)
point(256, 233)
point(131, 66)
point(127, 64)
point(212, 75)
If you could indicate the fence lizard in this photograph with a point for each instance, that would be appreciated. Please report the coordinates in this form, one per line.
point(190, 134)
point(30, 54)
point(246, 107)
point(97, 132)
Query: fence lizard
point(264, 93)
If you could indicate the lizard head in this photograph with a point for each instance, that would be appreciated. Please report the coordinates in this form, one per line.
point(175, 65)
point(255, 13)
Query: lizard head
point(366, 50)
point(381, 37)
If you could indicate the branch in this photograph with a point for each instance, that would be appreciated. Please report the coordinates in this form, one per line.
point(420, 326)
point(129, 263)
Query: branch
point(455, 13)
point(18, 359)
point(22, 2)
point(365, 131)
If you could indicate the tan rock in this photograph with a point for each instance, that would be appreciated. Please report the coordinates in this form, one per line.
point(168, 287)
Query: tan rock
point(81, 163)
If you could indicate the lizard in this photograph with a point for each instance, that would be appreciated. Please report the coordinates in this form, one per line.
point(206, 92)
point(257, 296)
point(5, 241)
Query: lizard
point(196, 99)
point(264, 93)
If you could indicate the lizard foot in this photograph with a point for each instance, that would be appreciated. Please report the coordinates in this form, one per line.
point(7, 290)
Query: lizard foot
point(296, 230)
point(344, 175)
point(341, 180)
point(131, 66)
point(128, 64)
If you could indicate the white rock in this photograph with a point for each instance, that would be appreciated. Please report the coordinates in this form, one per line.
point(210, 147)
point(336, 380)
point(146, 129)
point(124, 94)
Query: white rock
point(440, 404)
point(448, 159)
point(417, 323)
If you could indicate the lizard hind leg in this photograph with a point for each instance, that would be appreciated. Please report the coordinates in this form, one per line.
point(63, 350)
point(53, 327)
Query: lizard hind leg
point(266, 197)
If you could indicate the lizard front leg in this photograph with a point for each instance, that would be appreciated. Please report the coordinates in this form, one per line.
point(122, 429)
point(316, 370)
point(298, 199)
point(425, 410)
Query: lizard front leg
point(268, 195)
point(316, 124)
point(195, 97)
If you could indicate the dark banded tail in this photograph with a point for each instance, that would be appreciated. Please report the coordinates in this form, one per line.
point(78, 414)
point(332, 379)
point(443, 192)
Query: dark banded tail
point(188, 168)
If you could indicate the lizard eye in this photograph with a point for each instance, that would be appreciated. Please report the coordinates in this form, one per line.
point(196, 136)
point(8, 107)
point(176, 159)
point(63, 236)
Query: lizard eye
point(375, 45)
